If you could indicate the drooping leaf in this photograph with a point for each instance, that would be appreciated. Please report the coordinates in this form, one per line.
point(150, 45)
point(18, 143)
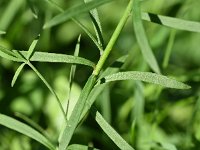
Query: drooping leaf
point(70, 13)
point(172, 22)
point(58, 58)
point(80, 147)
point(19, 69)
point(26, 130)
point(114, 136)
point(76, 114)
point(146, 77)
point(142, 38)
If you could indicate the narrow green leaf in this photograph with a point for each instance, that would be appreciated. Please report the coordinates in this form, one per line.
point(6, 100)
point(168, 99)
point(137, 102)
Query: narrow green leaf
point(32, 47)
point(172, 22)
point(169, 48)
point(72, 73)
point(80, 147)
point(114, 136)
point(2, 32)
point(19, 69)
point(97, 25)
point(146, 77)
point(142, 38)
point(76, 114)
point(6, 53)
point(26, 130)
point(57, 58)
point(70, 13)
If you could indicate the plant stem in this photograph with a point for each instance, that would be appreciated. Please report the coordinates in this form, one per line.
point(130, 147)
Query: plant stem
point(49, 87)
point(113, 39)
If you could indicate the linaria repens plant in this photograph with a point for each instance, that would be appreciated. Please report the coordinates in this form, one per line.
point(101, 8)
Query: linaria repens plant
point(101, 80)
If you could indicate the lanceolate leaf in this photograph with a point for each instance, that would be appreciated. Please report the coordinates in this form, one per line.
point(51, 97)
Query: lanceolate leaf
point(26, 130)
point(171, 22)
point(59, 58)
point(72, 12)
point(76, 114)
point(114, 136)
point(146, 77)
point(142, 38)
point(32, 47)
point(17, 74)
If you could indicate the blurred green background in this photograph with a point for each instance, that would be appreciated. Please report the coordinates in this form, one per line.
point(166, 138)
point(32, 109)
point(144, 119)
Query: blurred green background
point(168, 119)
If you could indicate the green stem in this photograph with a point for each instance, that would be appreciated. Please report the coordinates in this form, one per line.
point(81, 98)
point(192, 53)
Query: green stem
point(113, 39)
point(49, 87)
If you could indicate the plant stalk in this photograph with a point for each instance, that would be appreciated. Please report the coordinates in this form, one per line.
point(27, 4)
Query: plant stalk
point(113, 39)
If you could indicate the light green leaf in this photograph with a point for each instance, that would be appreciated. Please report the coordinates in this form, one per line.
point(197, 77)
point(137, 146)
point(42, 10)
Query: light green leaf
point(57, 58)
point(76, 114)
point(6, 53)
point(69, 13)
point(142, 38)
point(171, 22)
point(146, 77)
point(2, 32)
point(114, 136)
point(26, 130)
point(32, 47)
point(19, 69)
point(80, 147)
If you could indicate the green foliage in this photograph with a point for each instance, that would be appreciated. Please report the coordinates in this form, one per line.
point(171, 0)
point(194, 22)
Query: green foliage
point(81, 108)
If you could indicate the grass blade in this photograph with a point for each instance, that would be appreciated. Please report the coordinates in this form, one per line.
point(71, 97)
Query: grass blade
point(70, 13)
point(114, 136)
point(169, 48)
point(171, 22)
point(32, 47)
point(19, 69)
point(2, 32)
point(76, 114)
point(26, 130)
point(80, 147)
point(146, 77)
point(57, 58)
point(142, 38)
point(72, 73)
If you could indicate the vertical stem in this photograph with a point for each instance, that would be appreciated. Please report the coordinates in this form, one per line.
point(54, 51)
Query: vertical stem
point(113, 39)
